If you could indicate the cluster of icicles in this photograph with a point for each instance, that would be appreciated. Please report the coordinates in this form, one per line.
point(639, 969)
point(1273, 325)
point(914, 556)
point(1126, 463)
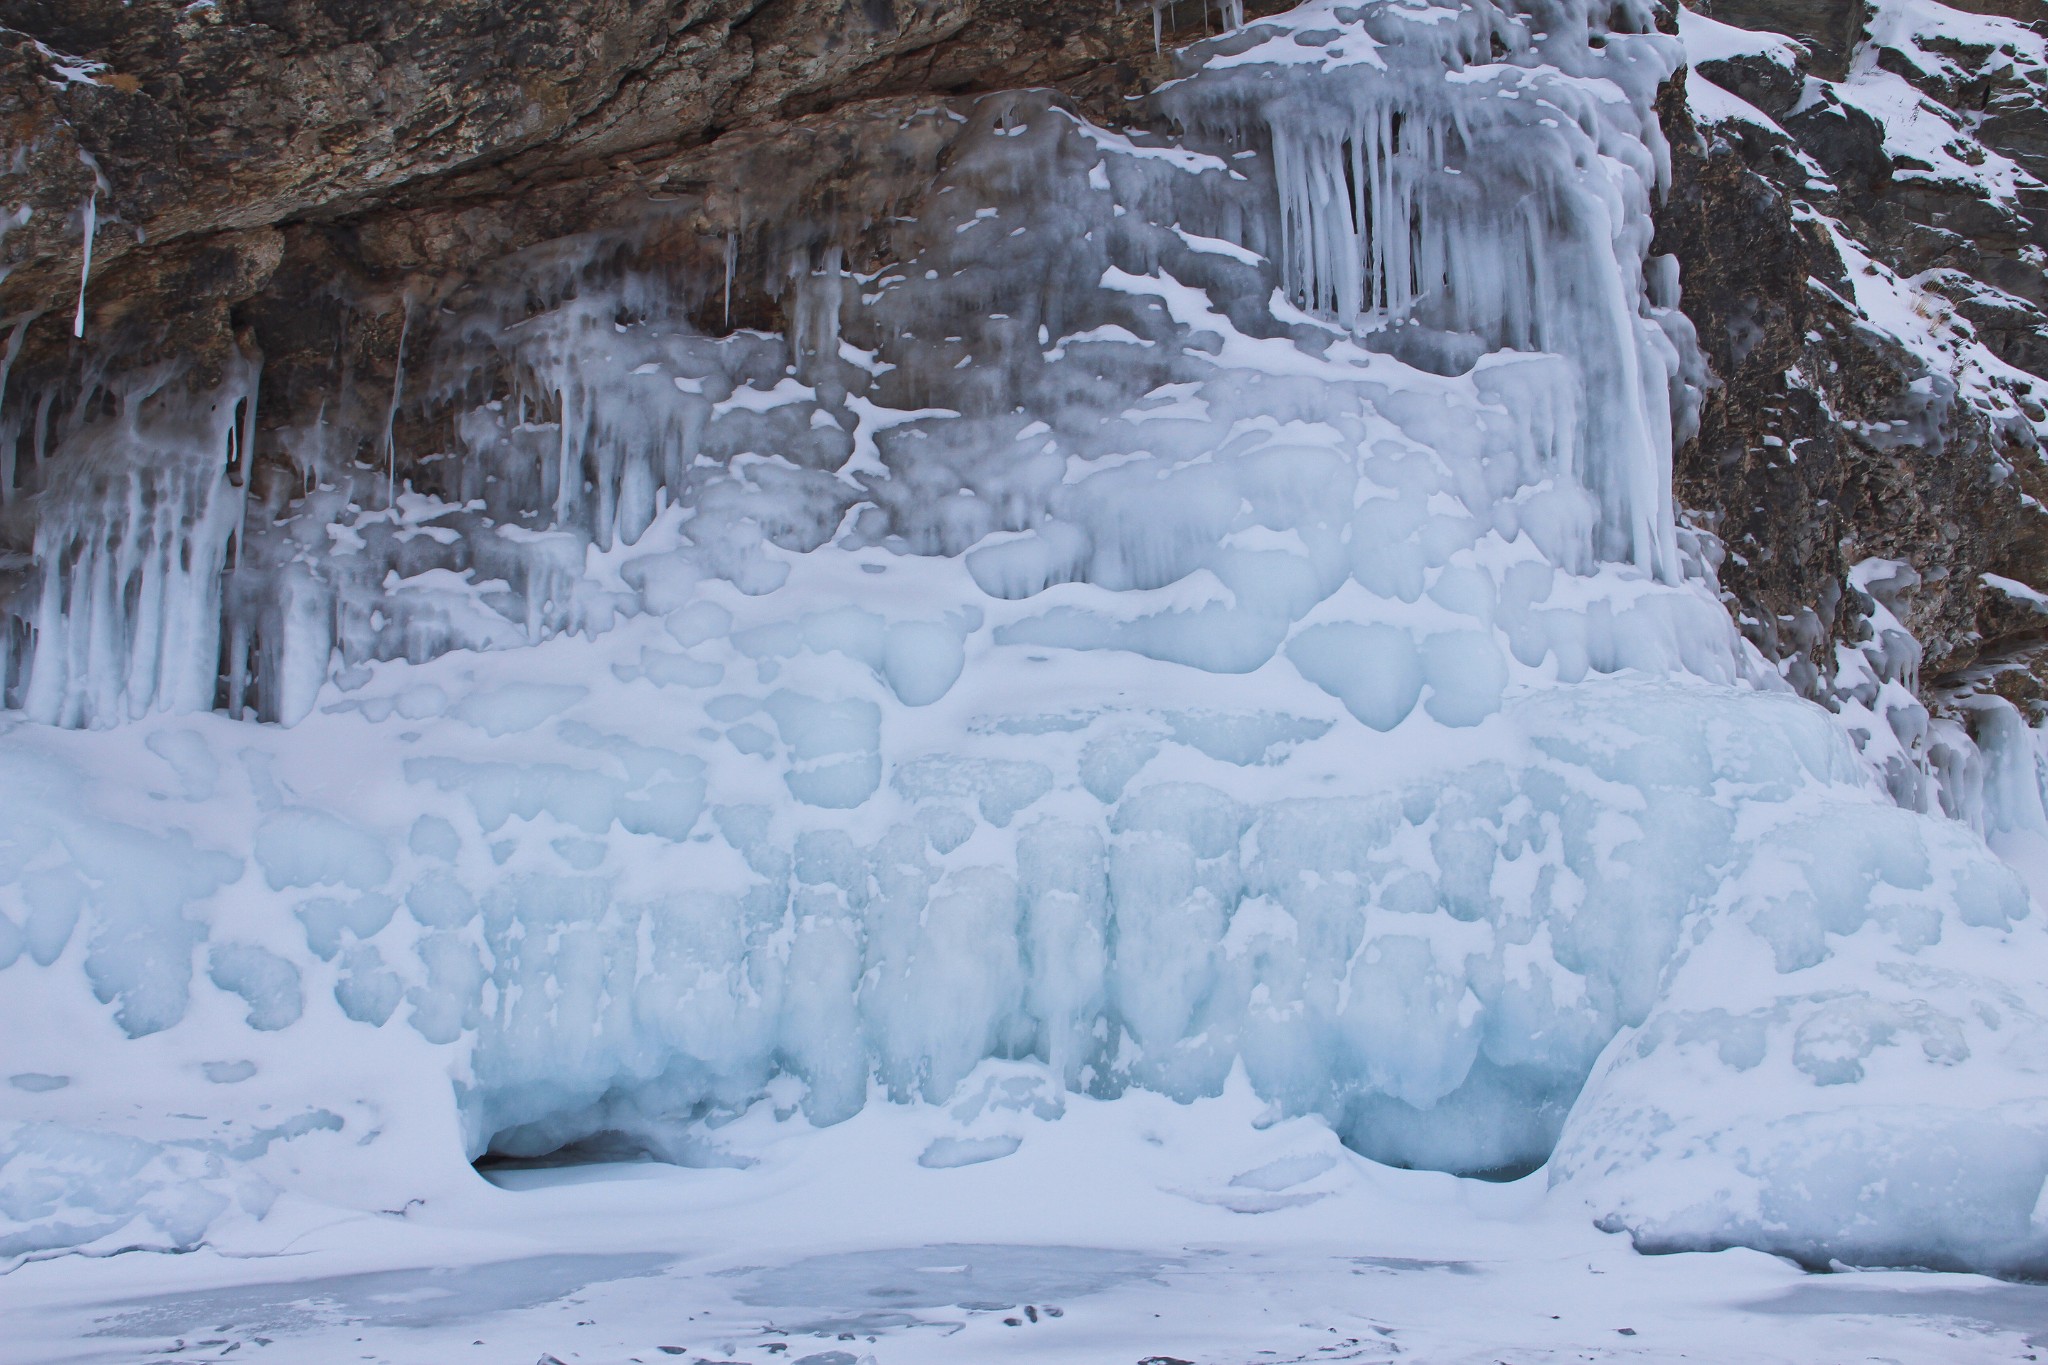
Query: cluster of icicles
point(1441, 189)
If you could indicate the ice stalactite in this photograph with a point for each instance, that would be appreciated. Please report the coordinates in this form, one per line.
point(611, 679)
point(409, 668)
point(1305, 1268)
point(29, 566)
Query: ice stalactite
point(16, 217)
point(89, 216)
point(818, 296)
point(599, 418)
point(10, 443)
point(732, 259)
point(130, 546)
point(389, 444)
point(89, 219)
point(1452, 186)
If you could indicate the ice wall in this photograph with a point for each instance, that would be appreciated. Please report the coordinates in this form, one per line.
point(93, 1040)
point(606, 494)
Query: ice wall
point(1190, 604)
point(731, 866)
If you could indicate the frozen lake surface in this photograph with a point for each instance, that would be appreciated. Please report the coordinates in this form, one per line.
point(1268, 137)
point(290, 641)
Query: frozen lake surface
point(838, 1249)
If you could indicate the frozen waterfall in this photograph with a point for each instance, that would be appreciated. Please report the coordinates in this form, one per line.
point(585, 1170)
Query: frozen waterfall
point(1165, 607)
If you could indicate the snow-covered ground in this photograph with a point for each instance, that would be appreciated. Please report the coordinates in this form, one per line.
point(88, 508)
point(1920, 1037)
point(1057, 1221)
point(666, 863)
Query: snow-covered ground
point(1138, 1230)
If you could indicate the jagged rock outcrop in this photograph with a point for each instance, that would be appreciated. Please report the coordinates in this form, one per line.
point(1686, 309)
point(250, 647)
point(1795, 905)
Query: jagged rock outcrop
point(1859, 215)
point(218, 143)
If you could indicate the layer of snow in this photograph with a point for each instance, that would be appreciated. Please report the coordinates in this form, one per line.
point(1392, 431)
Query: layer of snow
point(1709, 40)
point(1929, 141)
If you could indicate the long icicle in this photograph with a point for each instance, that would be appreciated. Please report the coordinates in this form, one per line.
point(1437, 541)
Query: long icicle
point(12, 438)
point(92, 224)
point(391, 413)
point(732, 256)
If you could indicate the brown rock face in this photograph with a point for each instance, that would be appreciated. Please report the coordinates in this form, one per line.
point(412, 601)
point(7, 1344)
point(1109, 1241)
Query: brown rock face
point(1816, 449)
point(1829, 28)
point(247, 113)
point(196, 132)
point(1827, 439)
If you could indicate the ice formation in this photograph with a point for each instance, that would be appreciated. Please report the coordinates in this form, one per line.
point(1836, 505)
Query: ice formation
point(1200, 605)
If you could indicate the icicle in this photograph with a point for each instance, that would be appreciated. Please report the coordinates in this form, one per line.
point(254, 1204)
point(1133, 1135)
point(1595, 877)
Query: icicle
point(8, 223)
point(1157, 5)
point(815, 334)
point(245, 453)
point(14, 340)
point(130, 547)
point(563, 496)
point(91, 212)
point(41, 439)
point(391, 412)
point(10, 436)
point(732, 257)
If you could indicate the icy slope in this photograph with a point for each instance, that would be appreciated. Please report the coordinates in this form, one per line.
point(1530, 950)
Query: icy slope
point(1197, 605)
